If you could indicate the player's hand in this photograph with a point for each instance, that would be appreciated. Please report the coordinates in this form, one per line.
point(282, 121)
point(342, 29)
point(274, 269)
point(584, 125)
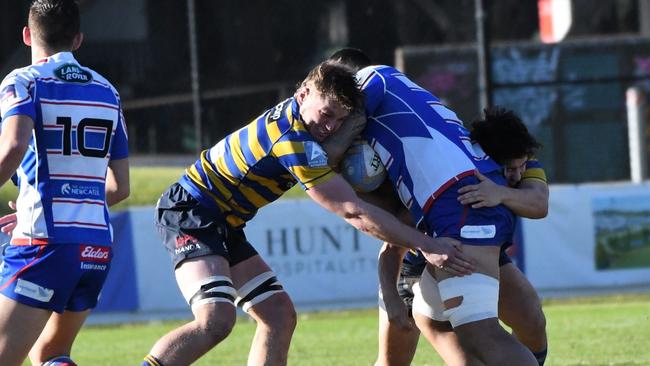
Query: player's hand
point(398, 313)
point(8, 222)
point(337, 144)
point(448, 256)
point(485, 194)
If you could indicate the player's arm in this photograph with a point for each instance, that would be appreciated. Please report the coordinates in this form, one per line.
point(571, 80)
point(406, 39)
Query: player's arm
point(529, 200)
point(390, 264)
point(14, 141)
point(117, 181)
point(337, 196)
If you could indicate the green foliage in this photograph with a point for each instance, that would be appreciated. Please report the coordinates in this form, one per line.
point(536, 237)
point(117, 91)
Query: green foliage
point(612, 330)
point(8, 192)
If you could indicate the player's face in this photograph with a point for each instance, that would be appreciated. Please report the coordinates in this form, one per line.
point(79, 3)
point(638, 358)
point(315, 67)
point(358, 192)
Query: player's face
point(514, 169)
point(322, 115)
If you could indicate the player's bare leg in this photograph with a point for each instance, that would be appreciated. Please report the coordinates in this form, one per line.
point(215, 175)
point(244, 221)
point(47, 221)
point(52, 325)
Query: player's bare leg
point(212, 321)
point(520, 309)
point(485, 339)
point(443, 339)
point(270, 307)
point(397, 344)
point(20, 326)
point(57, 337)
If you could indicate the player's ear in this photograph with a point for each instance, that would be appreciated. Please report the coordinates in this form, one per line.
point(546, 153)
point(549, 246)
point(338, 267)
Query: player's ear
point(76, 42)
point(302, 93)
point(27, 36)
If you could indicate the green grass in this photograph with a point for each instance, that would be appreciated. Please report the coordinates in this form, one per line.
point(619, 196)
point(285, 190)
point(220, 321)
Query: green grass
point(147, 184)
point(610, 330)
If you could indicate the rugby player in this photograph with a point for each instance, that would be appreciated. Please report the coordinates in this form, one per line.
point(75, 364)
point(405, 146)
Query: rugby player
point(64, 141)
point(429, 156)
point(506, 139)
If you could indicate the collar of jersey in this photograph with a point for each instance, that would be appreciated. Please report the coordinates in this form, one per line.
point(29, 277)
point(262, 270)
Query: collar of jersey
point(59, 57)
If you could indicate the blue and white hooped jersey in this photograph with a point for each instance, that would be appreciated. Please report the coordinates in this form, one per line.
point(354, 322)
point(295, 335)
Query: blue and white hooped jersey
point(78, 128)
point(422, 143)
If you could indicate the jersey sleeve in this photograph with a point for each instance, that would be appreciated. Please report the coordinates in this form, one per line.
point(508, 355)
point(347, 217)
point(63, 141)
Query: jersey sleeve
point(534, 170)
point(120, 147)
point(305, 160)
point(373, 87)
point(15, 95)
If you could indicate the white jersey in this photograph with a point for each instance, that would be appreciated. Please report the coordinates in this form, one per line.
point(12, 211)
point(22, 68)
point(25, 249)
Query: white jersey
point(78, 129)
point(422, 143)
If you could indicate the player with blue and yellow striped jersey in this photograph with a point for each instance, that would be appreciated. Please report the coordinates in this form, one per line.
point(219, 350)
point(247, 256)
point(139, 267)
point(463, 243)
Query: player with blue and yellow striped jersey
point(256, 164)
point(201, 219)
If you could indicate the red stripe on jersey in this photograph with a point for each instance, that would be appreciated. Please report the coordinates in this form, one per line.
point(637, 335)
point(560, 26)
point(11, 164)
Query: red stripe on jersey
point(81, 104)
point(25, 241)
point(18, 102)
point(77, 223)
point(449, 183)
point(79, 202)
point(76, 176)
point(100, 129)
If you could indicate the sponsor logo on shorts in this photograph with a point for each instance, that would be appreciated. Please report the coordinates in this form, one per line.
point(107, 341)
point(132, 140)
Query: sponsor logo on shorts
point(33, 291)
point(93, 266)
point(478, 231)
point(186, 243)
point(89, 253)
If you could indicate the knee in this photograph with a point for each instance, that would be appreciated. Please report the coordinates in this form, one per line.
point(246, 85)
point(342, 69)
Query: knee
point(276, 312)
point(215, 325)
point(530, 320)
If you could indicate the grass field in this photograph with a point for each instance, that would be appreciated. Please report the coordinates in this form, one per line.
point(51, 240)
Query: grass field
point(613, 330)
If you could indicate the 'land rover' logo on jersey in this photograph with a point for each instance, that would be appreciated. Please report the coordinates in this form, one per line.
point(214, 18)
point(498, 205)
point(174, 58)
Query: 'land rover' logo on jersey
point(73, 74)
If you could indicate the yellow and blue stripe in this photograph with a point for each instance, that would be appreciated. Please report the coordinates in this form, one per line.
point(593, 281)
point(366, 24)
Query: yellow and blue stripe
point(256, 164)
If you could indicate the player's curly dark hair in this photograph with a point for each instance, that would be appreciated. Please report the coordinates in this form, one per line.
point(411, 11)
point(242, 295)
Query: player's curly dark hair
point(336, 81)
point(503, 135)
point(54, 22)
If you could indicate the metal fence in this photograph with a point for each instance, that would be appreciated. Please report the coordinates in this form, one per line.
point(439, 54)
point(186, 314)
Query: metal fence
point(571, 95)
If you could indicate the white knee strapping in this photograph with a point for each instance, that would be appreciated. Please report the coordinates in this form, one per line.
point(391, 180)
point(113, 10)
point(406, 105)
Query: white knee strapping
point(426, 298)
point(380, 300)
point(258, 289)
point(210, 290)
point(480, 295)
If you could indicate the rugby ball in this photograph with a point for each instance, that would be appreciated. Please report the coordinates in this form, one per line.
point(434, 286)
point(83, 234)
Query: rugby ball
point(362, 167)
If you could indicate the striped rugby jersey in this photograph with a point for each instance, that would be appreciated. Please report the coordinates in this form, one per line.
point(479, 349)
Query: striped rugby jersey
point(78, 128)
point(256, 164)
point(423, 145)
point(534, 170)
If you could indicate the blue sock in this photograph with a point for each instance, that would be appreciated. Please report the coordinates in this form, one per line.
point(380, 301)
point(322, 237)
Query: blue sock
point(541, 356)
point(150, 360)
point(59, 361)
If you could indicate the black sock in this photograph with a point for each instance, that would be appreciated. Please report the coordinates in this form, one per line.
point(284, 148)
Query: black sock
point(541, 356)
